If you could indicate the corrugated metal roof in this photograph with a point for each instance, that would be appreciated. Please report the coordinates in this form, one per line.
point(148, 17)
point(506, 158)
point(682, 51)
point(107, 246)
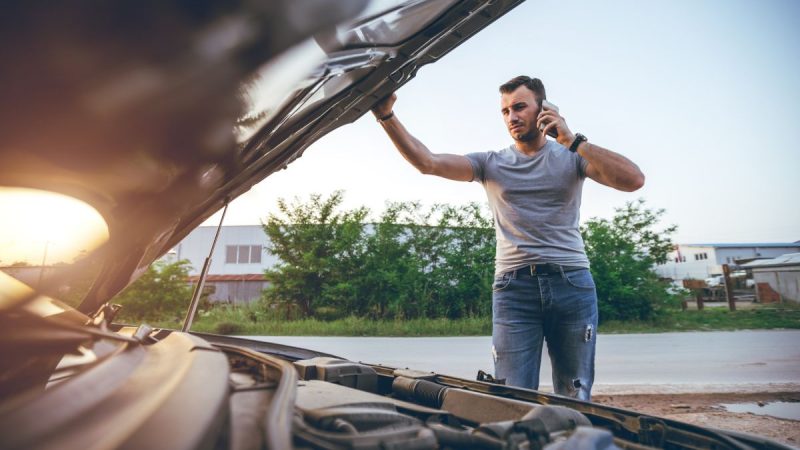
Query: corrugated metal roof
point(789, 259)
point(747, 244)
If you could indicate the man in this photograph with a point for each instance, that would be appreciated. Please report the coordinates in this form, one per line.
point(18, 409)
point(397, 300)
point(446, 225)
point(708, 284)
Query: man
point(542, 288)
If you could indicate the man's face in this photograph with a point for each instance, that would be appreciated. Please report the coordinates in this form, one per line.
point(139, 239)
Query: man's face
point(520, 110)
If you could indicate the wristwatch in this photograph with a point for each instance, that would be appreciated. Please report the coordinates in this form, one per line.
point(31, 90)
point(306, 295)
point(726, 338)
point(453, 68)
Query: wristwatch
point(578, 139)
point(386, 117)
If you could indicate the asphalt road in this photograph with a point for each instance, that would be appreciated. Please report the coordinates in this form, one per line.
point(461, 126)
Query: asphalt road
point(736, 361)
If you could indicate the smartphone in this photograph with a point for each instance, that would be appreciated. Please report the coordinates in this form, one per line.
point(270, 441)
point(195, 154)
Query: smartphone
point(547, 105)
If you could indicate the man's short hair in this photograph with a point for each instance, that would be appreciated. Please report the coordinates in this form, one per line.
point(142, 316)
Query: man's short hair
point(534, 84)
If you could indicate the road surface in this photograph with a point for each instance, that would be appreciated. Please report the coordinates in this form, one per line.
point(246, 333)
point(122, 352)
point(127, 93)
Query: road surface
point(720, 361)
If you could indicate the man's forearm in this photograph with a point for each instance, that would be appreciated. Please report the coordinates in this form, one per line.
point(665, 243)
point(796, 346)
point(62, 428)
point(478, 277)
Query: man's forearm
point(612, 168)
point(414, 151)
point(452, 167)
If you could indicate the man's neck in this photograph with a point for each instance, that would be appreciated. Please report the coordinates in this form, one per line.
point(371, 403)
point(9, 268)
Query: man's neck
point(531, 148)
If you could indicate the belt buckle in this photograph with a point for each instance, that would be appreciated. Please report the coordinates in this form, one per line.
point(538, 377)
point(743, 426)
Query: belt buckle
point(545, 268)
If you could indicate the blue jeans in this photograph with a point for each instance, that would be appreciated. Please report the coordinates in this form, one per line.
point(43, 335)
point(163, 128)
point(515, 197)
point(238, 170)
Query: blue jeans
point(560, 308)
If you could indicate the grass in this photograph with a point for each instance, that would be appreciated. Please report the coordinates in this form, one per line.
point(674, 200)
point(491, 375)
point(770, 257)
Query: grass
point(760, 317)
point(250, 320)
point(349, 326)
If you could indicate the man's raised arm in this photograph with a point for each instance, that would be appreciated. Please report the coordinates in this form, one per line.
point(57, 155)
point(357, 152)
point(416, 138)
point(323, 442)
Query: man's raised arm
point(610, 168)
point(453, 167)
point(605, 167)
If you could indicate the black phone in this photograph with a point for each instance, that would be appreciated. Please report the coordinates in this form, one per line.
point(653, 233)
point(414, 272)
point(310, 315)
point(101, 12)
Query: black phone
point(547, 105)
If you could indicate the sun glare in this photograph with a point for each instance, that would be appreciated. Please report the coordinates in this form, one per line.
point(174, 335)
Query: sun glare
point(43, 227)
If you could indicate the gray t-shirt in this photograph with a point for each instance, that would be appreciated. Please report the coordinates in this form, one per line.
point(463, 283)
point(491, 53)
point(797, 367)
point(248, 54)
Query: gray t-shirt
point(536, 204)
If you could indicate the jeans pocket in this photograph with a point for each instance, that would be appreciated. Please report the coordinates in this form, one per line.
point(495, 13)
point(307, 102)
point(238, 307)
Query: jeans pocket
point(501, 282)
point(581, 279)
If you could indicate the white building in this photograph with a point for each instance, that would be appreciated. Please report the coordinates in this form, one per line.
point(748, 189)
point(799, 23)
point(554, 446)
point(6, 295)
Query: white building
point(700, 261)
point(236, 274)
point(776, 279)
point(239, 250)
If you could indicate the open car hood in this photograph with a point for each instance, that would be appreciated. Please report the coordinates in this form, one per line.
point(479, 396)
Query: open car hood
point(156, 114)
point(158, 117)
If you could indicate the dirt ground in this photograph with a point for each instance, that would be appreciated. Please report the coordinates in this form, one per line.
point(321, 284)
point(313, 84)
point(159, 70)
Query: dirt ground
point(704, 409)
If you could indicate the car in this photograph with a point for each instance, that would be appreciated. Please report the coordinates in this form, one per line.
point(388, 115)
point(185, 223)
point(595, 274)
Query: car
point(147, 118)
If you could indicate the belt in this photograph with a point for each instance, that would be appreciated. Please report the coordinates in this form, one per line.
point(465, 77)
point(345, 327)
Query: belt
point(544, 269)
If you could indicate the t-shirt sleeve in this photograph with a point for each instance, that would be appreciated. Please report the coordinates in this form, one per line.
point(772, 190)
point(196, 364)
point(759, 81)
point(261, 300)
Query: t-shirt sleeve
point(478, 161)
point(582, 164)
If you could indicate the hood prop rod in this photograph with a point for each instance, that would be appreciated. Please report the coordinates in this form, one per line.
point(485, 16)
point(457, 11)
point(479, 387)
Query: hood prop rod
point(198, 288)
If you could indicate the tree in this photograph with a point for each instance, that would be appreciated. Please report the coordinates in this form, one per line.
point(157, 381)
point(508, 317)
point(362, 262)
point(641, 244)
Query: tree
point(388, 267)
point(413, 262)
point(319, 248)
point(468, 261)
point(434, 262)
point(161, 293)
point(424, 245)
point(622, 253)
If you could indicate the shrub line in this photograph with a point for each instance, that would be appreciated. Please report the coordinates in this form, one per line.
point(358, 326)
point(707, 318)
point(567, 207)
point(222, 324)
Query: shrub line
point(247, 321)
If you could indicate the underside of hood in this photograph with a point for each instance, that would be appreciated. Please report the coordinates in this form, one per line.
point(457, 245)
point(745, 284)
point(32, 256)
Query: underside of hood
point(157, 115)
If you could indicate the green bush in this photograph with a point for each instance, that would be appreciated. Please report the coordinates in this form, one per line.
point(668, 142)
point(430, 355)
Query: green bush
point(438, 262)
point(162, 293)
point(328, 313)
point(228, 328)
point(413, 262)
point(622, 252)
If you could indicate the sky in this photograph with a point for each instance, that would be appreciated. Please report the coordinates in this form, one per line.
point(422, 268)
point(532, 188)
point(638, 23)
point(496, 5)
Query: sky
point(702, 95)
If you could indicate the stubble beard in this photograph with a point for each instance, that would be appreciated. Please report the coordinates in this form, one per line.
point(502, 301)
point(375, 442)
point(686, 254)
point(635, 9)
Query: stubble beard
point(530, 136)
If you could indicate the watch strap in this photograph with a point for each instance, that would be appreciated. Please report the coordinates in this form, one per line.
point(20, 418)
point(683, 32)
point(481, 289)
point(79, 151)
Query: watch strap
point(386, 117)
point(578, 139)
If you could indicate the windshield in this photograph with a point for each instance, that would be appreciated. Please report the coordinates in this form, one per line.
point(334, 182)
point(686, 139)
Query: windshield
point(41, 235)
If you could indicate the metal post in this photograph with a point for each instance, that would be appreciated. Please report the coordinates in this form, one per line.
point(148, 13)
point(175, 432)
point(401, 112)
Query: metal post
point(198, 289)
point(726, 272)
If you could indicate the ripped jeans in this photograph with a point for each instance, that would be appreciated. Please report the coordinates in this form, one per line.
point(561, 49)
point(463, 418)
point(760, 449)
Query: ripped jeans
point(559, 308)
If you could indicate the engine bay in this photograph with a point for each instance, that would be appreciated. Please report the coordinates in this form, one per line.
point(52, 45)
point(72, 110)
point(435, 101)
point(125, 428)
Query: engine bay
point(138, 387)
point(343, 404)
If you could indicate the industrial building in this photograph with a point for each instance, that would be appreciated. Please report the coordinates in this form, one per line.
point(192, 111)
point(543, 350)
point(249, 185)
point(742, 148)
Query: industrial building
point(236, 273)
point(700, 261)
point(776, 279)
